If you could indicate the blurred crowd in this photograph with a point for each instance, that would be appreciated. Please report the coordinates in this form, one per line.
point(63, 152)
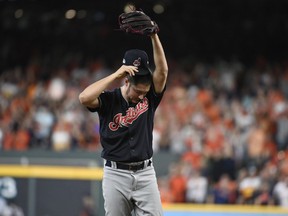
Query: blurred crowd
point(227, 121)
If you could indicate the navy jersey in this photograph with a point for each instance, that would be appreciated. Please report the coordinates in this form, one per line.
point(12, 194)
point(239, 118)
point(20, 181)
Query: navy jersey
point(126, 130)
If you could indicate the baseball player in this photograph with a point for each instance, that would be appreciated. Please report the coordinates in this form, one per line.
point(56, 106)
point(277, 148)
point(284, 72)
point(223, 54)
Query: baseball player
point(126, 123)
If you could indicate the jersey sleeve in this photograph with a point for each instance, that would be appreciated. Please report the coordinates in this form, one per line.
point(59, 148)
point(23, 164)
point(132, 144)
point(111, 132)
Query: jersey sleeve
point(157, 97)
point(104, 99)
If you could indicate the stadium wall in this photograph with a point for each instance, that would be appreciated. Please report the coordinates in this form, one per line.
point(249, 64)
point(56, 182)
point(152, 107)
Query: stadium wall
point(58, 184)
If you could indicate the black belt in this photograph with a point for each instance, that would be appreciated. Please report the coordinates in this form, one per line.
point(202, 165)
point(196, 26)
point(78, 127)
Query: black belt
point(131, 167)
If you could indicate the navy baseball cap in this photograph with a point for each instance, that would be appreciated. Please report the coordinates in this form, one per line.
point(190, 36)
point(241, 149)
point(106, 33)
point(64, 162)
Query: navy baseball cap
point(138, 58)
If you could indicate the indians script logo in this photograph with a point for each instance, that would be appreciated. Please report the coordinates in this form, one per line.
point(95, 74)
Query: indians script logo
point(131, 115)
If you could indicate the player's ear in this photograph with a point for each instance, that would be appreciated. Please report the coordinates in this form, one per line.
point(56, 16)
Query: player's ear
point(126, 81)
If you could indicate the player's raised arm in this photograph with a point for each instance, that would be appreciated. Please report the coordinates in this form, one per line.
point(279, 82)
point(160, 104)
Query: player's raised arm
point(89, 96)
point(137, 22)
point(161, 68)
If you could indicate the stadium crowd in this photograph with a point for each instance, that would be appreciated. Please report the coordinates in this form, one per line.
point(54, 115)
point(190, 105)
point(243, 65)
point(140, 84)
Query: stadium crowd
point(227, 121)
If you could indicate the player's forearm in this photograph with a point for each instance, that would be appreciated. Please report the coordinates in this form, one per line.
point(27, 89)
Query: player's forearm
point(93, 91)
point(161, 67)
point(159, 55)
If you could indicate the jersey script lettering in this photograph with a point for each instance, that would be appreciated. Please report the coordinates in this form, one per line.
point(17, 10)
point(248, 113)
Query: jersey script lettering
point(131, 115)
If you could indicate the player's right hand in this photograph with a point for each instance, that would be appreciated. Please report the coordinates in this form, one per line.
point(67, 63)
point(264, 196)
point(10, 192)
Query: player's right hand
point(126, 69)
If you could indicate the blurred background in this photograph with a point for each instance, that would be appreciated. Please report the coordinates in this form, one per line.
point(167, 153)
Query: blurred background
point(221, 131)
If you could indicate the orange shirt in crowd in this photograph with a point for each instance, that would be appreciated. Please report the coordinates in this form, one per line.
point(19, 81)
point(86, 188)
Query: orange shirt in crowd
point(16, 141)
point(178, 188)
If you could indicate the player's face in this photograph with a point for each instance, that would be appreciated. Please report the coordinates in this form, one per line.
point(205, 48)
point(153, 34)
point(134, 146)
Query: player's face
point(136, 93)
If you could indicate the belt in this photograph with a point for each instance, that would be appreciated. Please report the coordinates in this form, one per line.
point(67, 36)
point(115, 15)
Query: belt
point(131, 167)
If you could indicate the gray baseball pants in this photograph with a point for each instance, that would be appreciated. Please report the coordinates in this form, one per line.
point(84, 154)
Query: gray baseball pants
point(125, 191)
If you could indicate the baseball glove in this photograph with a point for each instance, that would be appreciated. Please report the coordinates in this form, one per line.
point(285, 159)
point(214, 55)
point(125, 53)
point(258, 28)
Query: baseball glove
point(137, 22)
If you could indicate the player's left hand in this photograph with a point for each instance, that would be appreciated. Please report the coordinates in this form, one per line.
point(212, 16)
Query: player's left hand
point(137, 22)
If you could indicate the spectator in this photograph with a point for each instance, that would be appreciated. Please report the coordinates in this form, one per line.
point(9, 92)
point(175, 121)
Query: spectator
point(249, 186)
point(61, 138)
point(197, 187)
point(165, 193)
point(43, 124)
point(264, 197)
point(224, 191)
point(177, 183)
point(280, 192)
